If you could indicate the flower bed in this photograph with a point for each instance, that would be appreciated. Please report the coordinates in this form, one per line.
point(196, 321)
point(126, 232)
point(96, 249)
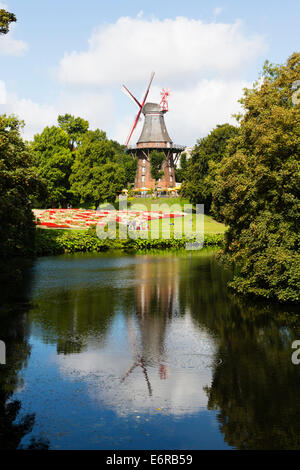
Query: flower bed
point(83, 219)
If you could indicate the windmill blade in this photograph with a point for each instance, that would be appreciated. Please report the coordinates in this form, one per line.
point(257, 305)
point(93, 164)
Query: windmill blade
point(135, 364)
point(127, 92)
point(133, 127)
point(147, 91)
point(139, 104)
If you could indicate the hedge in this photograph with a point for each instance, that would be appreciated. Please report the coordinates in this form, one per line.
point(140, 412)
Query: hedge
point(54, 242)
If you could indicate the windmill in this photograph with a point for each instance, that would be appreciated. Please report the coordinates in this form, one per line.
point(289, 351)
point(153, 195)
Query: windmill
point(154, 136)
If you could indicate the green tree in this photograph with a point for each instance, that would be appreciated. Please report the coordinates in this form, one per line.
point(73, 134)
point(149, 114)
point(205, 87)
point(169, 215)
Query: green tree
point(180, 173)
point(18, 182)
point(74, 127)
point(257, 188)
point(156, 161)
point(200, 172)
point(53, 160)
point(6, 19)
point(130, 165)
point(128, 162)
point(96, 174)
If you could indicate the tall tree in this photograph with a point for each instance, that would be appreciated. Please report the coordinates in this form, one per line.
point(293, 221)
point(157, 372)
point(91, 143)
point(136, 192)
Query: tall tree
point(200, 170)
point(53, 160)
point(257, 188)
point(156, 161)
point(6, 18)
point(126, 161)
point(181, 172)
point(96, 174)
point(18, 182)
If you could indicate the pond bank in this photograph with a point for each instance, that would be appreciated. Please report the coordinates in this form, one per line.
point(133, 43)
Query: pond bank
point(55, 242)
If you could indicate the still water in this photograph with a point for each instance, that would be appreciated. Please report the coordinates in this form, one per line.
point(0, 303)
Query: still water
point(144, 352)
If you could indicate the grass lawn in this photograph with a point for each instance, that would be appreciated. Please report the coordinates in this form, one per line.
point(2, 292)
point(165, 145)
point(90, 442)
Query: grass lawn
point(173, 205)
point(141, 203)
point(212, 226)
point(158, 227)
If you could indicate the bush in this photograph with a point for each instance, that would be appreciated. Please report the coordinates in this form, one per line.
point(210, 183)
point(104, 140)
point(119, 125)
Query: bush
point(54, 242)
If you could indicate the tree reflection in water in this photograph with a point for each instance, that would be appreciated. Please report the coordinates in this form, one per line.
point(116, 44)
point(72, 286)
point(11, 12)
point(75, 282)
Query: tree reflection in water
point(255, 386)
point(14, 425)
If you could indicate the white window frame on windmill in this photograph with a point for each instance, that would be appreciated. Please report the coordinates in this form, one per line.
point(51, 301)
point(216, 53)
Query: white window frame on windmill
point(2, 353)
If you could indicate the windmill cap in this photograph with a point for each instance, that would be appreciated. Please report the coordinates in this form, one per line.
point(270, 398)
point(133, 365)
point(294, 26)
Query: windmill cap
point(151, 108)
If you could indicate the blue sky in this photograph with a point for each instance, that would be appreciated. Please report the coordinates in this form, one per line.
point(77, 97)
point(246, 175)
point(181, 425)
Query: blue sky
point(73, 56)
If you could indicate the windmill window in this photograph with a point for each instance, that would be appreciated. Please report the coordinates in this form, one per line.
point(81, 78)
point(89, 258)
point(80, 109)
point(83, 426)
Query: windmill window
point(170, 169)
point(143, 169)
point(143, 179)
point(171, 178)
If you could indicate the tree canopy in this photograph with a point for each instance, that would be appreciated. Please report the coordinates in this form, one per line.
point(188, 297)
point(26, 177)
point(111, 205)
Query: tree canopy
point(6, 18)
point(78, 165)
point(199, 171)
point(18, 182)
point(180, 173)
point(75, 127)
point(96, 174)
point(156, 161)
point(53, 160)
point(257, 188)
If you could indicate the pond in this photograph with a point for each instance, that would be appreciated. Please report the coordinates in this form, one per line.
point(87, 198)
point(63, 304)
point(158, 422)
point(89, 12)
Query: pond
point(151, 351)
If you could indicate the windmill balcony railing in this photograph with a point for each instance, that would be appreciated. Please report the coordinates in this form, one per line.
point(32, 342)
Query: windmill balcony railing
point(175, 147)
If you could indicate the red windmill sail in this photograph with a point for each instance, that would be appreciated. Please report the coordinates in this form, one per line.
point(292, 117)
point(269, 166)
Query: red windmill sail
point(140, 106)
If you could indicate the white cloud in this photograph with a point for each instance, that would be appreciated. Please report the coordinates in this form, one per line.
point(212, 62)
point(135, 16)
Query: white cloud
point(96, 108)
point(204, 64)
point(188, 360)
point(4, 6)
point(177, 49)
point(193, 112)
point(11, 46)
point(36, 116)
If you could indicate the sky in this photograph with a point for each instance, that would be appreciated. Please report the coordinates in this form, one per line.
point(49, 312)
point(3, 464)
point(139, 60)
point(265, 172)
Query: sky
point(69, 56)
